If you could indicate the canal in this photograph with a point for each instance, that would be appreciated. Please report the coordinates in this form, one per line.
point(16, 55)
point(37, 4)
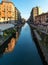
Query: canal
point(25, 51)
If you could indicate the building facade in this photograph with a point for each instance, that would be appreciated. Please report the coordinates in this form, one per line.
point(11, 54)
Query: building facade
point(17, 14)
point(35, 12)
point(8, 11)
point(43, 18)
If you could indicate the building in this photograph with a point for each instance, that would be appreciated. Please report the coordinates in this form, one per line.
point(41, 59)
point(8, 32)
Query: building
point(35, 12)
point(23, 21)
point(17, 14)
point(43, 18)
point(8, 12)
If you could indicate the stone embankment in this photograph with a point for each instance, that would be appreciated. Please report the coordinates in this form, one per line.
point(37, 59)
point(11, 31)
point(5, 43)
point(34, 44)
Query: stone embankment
point(40, 47)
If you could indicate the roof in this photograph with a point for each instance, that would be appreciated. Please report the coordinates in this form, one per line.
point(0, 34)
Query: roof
point(42, 14)
point(5, 26)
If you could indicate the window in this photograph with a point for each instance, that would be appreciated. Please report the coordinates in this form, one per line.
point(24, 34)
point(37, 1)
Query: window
point(4, 18)
point(47, 21)
point(0, 8)
point(46, 16)
point(0, 13)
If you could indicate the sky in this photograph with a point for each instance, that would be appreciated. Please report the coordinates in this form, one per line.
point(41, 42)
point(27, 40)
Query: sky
point(25, 6)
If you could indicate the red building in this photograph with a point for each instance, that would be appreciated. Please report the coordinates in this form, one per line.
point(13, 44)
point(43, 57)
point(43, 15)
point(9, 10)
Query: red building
point(43, 18)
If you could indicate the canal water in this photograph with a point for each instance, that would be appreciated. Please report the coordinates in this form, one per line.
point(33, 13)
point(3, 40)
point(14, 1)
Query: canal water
point(25, 51)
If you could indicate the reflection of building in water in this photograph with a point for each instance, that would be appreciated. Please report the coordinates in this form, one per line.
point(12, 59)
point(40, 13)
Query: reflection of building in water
point(8, 11)
point(11, 45)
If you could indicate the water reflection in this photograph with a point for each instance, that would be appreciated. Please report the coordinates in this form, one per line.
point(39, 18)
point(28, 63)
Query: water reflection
point(11, 45)
point(25, 51)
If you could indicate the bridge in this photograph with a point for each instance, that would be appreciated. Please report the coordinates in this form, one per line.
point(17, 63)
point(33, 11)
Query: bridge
point(43, 28)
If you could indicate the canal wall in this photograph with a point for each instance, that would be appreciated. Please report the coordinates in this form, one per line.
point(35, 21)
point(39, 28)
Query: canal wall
point(37, 38)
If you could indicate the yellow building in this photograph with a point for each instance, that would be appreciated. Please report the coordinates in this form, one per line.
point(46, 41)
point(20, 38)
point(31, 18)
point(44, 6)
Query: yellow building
point(35, 12)
point(8, 11)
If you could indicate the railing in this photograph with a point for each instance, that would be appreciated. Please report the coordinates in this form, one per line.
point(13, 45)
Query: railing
point(41, 27)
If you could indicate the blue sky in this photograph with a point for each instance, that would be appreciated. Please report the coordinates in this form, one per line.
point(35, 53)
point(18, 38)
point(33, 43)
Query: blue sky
point(25, 6)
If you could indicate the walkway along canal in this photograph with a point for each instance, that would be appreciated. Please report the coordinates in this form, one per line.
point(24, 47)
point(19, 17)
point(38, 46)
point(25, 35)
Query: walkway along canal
point(25, 51)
